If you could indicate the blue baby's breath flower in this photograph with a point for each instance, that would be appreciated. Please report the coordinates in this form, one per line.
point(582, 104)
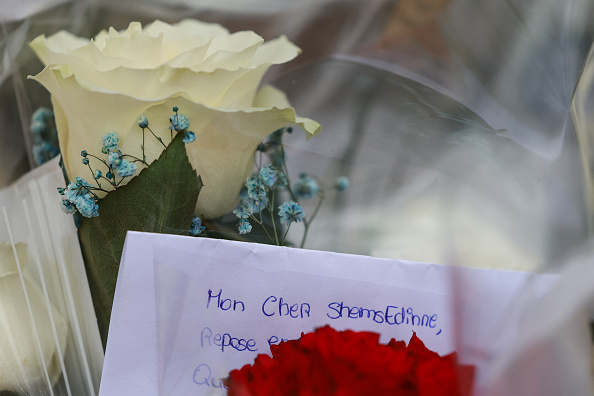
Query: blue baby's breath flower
point(77, 188)
point(87, 206)
point(240, 211)
point(244, 226)
point(84, 153)
point(305, 187)
point(43, 151)
point(109, 175)
point(81, 182)
point(259, 204)
point(243, 194)
point(142, 121)
point(111, 142)
point(269, 175)
point(290, 212)
point(196, 228)
point(98, 174)
point(256, 188)
point(42, 114)
point(179, 122)
point(85, 161)
point(251, 206)
point(341, 183)
point(37, 127)
point(126, 169)
point(243, 210)
point(189, 137)
point(114, 158)
point(67, 207)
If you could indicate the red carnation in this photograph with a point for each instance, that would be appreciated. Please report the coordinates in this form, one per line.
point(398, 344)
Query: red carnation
point(349, 363)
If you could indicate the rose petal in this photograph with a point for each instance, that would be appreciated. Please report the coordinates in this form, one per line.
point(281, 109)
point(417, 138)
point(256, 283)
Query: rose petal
point(269, 96)
point(132, 63)
point(276, 51)
point(184, 36)
point(60, 43)
point(133, 48)
point(220, 88)
point(157, 84)
point(185, 30)
point(230, 52)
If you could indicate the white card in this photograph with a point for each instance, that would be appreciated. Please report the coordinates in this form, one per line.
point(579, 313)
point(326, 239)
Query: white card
point(189, 310)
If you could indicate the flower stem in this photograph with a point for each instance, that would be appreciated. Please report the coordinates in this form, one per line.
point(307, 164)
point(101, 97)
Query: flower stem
point(156, 137)
point(286, 171)
point(263, 227)
point(93, 175)
point(306, 222)
point(109, 181)
point(285, 236)
point(136, 159)
point(143, 155)
point(102, 160)
point(271, 210)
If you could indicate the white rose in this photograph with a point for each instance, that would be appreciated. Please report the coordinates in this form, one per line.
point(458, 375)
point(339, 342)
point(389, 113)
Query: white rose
point(103, 85)
point(20, 365)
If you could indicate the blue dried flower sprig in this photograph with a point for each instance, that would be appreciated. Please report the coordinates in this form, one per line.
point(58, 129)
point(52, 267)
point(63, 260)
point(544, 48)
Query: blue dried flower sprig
point(196, 228)
point(257, 198)
point(81, 196)
point(291, 212)
point(306, 187)
point(181, 123)
point(45, 139)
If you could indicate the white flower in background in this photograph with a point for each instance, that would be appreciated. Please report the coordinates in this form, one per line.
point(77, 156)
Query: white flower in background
point(21, 368)
point(103, 85)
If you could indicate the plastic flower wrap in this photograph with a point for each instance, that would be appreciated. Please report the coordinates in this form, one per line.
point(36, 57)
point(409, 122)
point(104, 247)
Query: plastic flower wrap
point(49, 340)
point(104, 84)
point(328, 362)
point(20, 347)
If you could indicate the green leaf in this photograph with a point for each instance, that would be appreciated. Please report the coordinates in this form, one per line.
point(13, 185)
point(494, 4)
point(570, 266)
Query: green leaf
point(161, 199)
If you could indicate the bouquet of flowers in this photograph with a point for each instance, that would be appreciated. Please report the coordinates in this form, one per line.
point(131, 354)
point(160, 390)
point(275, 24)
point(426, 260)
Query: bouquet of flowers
point(460, 152)
point(179, 152)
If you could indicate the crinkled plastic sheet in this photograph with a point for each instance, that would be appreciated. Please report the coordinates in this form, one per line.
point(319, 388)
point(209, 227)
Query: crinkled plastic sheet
point(463, 125)
point(49, 341)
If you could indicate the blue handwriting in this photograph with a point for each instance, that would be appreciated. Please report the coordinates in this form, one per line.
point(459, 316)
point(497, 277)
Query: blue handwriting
point(391, 315)
point(225, 340)
point(273, 305)
point(203, 376)
point(224, 303)
point(273, 340)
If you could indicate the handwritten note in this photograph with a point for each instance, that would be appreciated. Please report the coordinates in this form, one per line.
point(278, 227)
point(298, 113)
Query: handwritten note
point(189, 310)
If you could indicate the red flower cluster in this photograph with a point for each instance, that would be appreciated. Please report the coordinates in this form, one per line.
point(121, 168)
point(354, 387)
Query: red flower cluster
point(349, 363)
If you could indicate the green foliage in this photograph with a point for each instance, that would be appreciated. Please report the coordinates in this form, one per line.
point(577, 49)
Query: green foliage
point(161, 199)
